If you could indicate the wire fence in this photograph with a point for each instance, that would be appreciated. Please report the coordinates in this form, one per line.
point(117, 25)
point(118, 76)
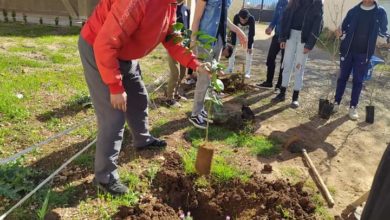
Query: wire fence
point(262, 4)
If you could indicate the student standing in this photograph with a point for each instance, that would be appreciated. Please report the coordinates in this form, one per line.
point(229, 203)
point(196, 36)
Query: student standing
point(359, 32)
point(301, 26)
point(211, 18)
point(114, 37)
point(274, 48)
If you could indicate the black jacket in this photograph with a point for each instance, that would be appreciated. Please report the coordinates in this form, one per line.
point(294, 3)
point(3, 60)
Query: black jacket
point(350, 22)
point(184, 13)
point(248, 28)
point(312, 24)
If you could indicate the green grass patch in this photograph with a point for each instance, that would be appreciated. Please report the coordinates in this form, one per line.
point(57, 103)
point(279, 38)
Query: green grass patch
point(216, 134)
point(33, 30)
point(84, 160)
point(221, 169)
point(16, 180)
point(258, 145)
point(158, 128)
point(294, 175)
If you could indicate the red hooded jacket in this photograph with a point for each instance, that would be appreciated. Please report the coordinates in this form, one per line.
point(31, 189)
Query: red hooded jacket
point(128, 30)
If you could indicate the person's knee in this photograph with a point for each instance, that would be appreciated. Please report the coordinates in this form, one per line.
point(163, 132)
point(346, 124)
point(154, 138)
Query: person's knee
point(357, 81)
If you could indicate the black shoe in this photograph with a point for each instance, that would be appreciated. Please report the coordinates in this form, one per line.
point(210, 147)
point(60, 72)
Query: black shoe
point(173, 103)
point(205, 116)
point(155, 145)
point(114, 187)
point(279, 98)
point(198, 122)
point(265, 85)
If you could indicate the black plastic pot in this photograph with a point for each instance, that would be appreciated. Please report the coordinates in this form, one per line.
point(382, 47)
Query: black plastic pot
point(321, 105)
point(370, 114)
point(325, 108)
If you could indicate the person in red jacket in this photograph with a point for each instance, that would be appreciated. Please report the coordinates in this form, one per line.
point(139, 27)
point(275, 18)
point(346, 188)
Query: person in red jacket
point(117, 34)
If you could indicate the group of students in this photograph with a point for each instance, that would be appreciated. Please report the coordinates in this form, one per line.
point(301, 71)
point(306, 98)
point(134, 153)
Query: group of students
point(119, 32)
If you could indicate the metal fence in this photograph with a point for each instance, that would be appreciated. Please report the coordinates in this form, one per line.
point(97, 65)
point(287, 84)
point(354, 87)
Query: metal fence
point(261, 4)
point(262, 10)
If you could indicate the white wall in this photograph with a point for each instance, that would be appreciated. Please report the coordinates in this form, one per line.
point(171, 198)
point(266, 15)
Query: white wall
point(335, 11)
point(386, 5)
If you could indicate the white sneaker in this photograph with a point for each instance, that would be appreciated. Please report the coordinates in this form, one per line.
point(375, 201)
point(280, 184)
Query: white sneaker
point(353, 114)
point(189, 81)
point(247, 76)
point(336, 107)
point(294, 104)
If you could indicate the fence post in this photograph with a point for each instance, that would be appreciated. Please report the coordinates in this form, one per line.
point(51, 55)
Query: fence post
point(261, 10)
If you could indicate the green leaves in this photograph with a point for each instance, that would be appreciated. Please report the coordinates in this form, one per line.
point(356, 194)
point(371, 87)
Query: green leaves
point(218, 86)
point(16, 180)
point(177, 27)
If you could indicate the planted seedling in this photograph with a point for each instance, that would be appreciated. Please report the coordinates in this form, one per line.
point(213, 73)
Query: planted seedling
point(370, 109)
point(40, 20)
point(56, 21)
point(203, 43)
point(70, 21)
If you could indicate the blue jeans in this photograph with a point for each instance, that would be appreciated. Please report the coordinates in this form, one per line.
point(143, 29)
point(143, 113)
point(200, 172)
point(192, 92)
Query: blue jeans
point(359, 64)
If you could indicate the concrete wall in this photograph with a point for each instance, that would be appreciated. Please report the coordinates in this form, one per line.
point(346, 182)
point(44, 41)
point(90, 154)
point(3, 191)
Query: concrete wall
point(81, 8)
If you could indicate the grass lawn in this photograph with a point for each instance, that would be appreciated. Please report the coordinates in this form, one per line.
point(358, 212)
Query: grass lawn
point(42, 90)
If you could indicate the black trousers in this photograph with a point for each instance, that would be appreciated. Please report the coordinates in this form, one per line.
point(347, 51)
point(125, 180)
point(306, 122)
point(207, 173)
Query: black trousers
point(273, 52)
point(378, 203)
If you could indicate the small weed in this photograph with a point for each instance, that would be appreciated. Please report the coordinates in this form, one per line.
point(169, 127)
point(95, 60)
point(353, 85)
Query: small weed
point(202, 182)
point(45, 207)
point(151, 172)
point(111, 203)
point(285, 213)
point(131, 179)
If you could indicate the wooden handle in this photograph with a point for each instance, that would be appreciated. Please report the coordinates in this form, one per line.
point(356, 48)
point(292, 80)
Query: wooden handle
point(319, 180)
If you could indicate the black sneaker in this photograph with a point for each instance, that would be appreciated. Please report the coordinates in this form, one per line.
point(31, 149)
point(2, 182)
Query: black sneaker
point(155, 145)
point(265, 85)
point(205, 116)
point(198, 122)
point(114, 187)
point(173, 103)
point(279, 98)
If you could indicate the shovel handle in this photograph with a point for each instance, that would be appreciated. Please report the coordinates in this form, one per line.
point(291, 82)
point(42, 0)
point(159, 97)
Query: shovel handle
point(319, 180)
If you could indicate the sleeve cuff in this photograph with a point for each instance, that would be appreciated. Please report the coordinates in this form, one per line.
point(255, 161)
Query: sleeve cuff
point(116, 88)
point(194, 64)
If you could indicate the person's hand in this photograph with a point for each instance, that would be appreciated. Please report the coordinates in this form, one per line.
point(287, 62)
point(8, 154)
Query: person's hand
point(249, 51)
point(119, 101)
point(242, 37)
point(282, 45)
point(268, 31)
point(204, 68)
point(338, 32)
point(306, 51)
point(221, 73)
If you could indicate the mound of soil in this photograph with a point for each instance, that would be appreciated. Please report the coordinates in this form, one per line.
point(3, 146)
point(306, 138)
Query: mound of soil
point(146, 211)
point(255, 199)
